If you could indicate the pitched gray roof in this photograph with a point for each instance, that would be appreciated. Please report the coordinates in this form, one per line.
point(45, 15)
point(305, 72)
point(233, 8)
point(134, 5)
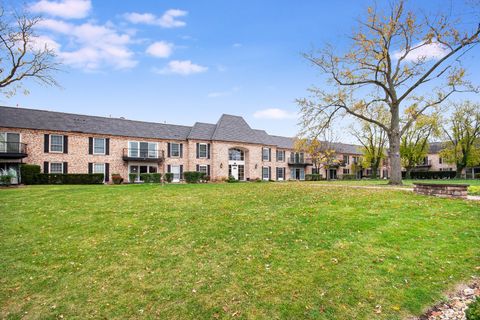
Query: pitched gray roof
point(228, 128)
point(59, 121)
point(202, 131)
point(436, 147)
point(235, 129)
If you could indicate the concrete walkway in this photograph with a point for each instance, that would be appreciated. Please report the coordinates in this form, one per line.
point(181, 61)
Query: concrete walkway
point(386, 187)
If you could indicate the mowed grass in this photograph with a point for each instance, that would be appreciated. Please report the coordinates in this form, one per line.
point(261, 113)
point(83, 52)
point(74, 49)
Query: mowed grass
point(220, 251)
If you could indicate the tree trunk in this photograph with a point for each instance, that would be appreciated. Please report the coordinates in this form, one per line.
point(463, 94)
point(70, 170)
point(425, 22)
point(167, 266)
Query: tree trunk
point(408, 171)
point(460, 168)
point(394, 156)
point(374, 171)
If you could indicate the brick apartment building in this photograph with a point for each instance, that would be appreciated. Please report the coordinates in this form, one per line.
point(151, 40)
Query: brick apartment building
point(72, 143)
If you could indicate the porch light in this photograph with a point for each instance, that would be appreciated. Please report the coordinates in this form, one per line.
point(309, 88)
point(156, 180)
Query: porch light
point(221, 165)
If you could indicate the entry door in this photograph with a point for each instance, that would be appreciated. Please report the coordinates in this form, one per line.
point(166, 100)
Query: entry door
point(333, 174)
point(235, 171)
point(176, 173)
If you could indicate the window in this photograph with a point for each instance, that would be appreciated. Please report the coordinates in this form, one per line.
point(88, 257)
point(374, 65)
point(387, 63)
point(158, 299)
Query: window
point(281, 155)
point(202, 150)
point(175, 149)
point(142, 149)
point(346, 171)
point(356, 160)
point(99, 146)
point(266, 173)
point(202, 168)
point(280, 173)
point(56, 143)
point(346, 159)
point(56, 167)
point(440, 160)
point(236, 155)
point(99, 168)
point(9, 142)
point(297, 157)
point(266, 154)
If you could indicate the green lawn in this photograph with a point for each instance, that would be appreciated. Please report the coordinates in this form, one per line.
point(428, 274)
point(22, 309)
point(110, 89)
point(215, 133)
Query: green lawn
point(250, 250)
point(473, 189)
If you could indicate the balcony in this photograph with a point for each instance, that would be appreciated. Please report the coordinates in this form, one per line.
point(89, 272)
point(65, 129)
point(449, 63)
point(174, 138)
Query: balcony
point(13, 150)
point(299, 161)
point(142, 155)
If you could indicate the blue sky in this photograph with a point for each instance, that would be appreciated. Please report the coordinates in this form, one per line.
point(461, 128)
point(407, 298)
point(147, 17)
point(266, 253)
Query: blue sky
point(186, 61)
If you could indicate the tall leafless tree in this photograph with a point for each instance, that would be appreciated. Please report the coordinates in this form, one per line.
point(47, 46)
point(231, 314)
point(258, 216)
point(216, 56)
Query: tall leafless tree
point(385, 66)
point(22, 55)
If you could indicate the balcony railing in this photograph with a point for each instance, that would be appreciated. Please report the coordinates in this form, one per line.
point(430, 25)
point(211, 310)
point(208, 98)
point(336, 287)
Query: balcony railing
point(426, 163)
point(297, 160)
point(135, 154)
point(13, 150)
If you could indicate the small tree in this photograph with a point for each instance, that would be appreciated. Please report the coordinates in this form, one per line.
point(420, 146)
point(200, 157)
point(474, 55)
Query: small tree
point(385, 65)
point(22, 55)
point(322, 152)
point(373, 140)
point(414, 144)
point(463, 135)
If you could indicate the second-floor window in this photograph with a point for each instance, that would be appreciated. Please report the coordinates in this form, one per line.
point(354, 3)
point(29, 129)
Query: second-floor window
point(175, 149)
point(202, 150)
point(98, 145)
point(56, 143)
point(346, 159)
point(356, 160)
point(440, 160)
point(142, 149)
point(280, 155)
point(266, 154)
point(297, 157)
point(9, 142)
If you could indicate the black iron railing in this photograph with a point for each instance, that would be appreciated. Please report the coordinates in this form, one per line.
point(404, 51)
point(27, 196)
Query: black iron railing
point(135, 154)
point(13, 150)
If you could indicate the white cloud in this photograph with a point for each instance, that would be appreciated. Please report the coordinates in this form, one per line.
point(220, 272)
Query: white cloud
point(237, 45)
point(160, 49)
point(432, 51)
point(92, 46)
point(42, 42)
point(168, 20)
point(184, 67)
point(275, 114)
point(68, 9)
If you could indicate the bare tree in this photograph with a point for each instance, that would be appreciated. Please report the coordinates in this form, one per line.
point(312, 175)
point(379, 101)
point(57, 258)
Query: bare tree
point(385, 65)
point(22, 55)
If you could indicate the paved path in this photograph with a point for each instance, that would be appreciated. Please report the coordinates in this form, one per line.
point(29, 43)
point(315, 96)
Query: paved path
point(386, 187)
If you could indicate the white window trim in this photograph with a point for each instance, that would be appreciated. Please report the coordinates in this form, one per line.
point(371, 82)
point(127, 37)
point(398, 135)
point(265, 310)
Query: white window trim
point(96, 164)
point(50, 143)
point(268, 173)
point(171, 150)
point(282, 152)
point(50, 167)
point(268, 154)
point(6, 140)
point(138, 149)
point(283, 171)
point(348, 159)
point(203, 166)
point(206, 150)
point(104, 146)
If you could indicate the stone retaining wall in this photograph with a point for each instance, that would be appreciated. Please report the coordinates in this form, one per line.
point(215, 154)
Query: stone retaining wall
point(442, 190)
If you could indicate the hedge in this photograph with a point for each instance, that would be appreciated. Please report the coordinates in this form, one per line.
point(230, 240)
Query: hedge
point(150, 177)
point(348, 177)
point(193, 176)
point(69, 178)
point(431, 174)
point(168, 176)
point(28, 173)
point(313, 177)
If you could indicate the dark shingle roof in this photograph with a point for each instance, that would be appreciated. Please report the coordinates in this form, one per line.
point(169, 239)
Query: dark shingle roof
point(436, 147)
point(202, 131)
point(228, 128)
point(235, 129)
point(59, 121)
